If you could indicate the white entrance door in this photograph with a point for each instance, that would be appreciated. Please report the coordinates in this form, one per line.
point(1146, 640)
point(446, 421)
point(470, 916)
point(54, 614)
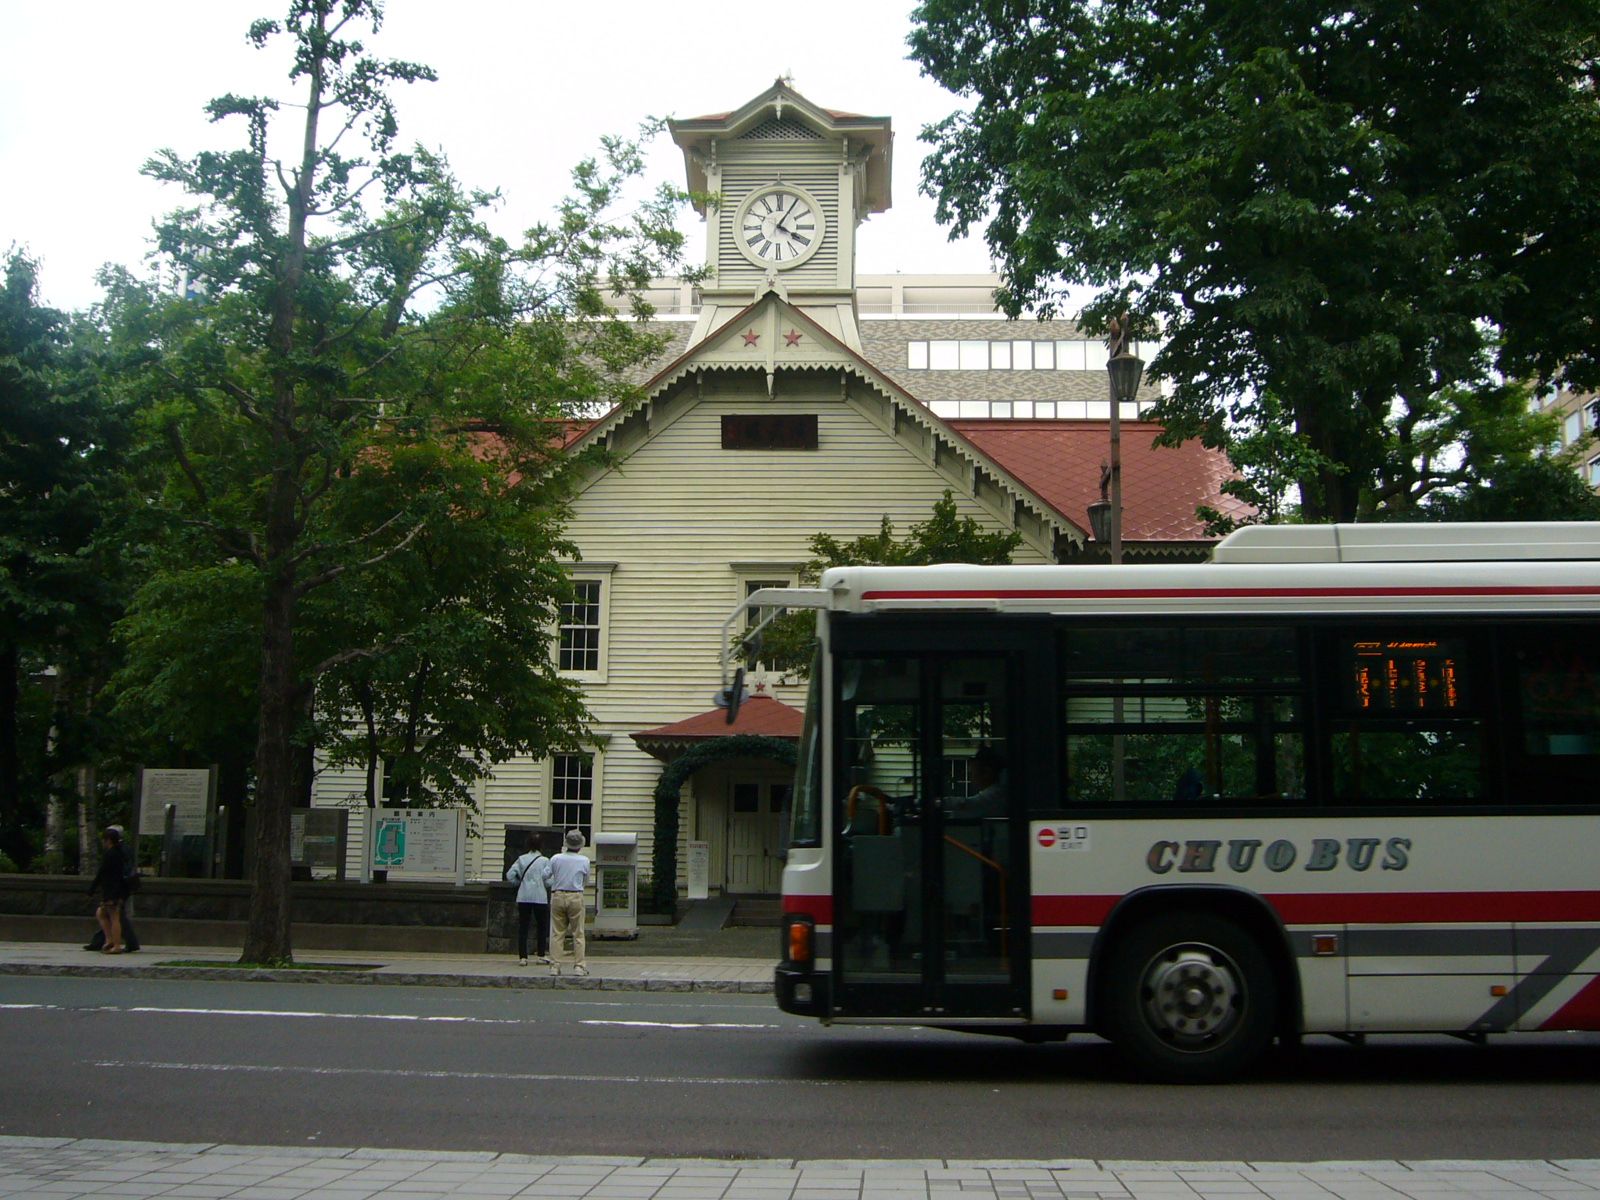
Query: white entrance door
point(756, 812)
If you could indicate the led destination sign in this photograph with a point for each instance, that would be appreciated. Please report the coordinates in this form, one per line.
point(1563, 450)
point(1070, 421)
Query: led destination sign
point(1399, 676)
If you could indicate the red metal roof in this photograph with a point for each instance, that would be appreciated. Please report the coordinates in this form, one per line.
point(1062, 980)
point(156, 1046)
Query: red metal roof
point(760, 714)
point(1060, 460)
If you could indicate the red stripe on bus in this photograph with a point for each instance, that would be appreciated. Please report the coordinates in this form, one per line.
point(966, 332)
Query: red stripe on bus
point(1581, 1012)
point(818, 908)
point(1234, 592)
point(1072, 910)
point(1429, 908)
point(1366, 908)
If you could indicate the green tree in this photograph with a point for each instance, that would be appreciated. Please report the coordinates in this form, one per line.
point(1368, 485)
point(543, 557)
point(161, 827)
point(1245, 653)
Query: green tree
point(457, 673)
point(1540, 489)
point(60, 448)
point(353, 313)
point(1342, 217)
point(945, 537)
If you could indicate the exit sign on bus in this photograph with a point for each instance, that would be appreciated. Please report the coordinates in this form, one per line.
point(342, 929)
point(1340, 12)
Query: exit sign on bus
point(1063, 837)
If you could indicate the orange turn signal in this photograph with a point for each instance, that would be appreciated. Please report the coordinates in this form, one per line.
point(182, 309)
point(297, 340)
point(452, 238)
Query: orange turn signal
point(799, 942)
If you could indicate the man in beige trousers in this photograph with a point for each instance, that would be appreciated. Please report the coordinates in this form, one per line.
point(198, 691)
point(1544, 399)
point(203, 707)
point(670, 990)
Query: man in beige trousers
point(569, 874)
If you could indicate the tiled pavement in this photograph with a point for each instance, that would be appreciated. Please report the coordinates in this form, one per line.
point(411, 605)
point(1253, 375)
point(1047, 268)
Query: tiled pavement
point(62, 1168)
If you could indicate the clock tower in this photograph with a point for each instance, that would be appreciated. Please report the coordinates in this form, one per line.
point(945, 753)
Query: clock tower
point(792, 181)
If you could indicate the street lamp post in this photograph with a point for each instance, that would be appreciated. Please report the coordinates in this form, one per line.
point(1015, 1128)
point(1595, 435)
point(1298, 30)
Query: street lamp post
point(1125, 370)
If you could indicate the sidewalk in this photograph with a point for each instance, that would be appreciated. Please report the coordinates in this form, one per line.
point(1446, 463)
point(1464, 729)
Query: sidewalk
point(613, 966)
point(62, 1168)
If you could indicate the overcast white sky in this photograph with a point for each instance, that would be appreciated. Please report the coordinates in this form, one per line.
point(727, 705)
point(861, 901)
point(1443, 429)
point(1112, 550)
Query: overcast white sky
point(526, 88)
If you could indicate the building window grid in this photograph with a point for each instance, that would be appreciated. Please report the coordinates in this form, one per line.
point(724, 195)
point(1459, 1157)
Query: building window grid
point(572, 793)
point(579, 648)
point(969, 354)
point(1036, 410)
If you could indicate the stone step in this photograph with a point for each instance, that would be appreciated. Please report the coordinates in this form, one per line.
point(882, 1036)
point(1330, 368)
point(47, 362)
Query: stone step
point(764, 911)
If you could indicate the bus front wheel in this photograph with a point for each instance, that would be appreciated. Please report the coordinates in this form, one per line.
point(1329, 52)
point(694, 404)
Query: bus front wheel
point(1190, 998)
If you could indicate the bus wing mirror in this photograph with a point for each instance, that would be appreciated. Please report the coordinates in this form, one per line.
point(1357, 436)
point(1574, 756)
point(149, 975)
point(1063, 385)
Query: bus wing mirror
point(731, 698)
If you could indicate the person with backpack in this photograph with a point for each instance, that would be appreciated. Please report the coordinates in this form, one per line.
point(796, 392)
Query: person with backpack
point(531, 874)
point(112, 885)
point(130, 936)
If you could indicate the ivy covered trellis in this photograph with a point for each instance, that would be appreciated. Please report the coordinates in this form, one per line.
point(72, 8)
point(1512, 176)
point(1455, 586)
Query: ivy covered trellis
point(664, 861)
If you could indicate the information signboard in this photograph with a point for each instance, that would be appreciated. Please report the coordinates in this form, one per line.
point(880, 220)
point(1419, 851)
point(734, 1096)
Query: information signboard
point(416, 843)
point(188, 791)
point(316, 841)
point(699, 870)
point(615, 902)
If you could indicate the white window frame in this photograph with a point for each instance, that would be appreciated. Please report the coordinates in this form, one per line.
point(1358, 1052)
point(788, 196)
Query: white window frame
point(600, 573)
point(772, 574)
point(596, 756)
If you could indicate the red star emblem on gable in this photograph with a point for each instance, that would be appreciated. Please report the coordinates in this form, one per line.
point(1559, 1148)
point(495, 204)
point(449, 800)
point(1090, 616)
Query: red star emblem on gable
point(791, 338)
point(751, 337)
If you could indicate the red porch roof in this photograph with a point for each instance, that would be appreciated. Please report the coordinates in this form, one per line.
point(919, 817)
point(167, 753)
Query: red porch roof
point(760, 715)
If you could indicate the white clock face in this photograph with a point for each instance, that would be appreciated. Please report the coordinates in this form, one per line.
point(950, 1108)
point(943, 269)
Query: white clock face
point(779, 226)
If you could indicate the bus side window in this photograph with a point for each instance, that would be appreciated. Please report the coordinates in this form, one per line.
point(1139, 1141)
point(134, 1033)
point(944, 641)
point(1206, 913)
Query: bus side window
point(1404, 723)
point(1182, 714)
point(1168, 749)
point(1553, 750)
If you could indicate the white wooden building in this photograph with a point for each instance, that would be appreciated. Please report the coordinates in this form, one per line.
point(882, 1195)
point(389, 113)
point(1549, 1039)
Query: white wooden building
point(801, 400)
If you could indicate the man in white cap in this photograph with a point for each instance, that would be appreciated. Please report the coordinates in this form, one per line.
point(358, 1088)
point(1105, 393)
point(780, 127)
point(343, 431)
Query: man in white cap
point(569, 875)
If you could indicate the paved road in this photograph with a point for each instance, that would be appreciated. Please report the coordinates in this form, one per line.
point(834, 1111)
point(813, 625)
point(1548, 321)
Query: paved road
point(726, 1076)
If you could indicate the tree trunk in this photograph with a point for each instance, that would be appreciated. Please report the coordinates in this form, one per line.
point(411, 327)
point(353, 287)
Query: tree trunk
point(233, 793)
point(88, 821)
point(10, 762)
point(55, 826)
point(267, 934)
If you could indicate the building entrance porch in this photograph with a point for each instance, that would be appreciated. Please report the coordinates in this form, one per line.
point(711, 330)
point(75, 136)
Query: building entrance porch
point(740, 808)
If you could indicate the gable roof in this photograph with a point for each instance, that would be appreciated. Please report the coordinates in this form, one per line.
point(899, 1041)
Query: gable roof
point(1051, 467)
point(761, 338)
point(870, 137)
point(1160, 485)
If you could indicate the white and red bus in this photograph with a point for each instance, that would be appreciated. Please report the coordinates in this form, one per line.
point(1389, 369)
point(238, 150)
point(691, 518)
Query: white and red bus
point(1340, 779)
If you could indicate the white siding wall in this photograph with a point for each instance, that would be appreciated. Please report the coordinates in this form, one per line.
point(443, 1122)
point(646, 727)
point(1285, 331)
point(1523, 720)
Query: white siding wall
point(673, 518)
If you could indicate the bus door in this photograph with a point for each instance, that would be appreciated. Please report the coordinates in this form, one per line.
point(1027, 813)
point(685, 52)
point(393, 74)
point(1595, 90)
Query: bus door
point(930, 915)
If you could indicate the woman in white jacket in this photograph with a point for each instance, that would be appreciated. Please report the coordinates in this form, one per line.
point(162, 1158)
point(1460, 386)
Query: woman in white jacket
point(531, 874)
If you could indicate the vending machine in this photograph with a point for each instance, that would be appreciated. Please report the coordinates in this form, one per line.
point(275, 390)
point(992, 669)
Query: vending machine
point(616, 875)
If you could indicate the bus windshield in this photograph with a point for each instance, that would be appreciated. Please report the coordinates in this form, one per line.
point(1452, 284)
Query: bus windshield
point(806, 829)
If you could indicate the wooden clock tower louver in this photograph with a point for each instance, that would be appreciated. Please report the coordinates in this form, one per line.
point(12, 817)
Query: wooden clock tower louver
point(806, 175)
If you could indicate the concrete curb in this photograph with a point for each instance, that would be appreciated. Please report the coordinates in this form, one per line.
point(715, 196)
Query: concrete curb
point(898, 1166)
point(592, 983)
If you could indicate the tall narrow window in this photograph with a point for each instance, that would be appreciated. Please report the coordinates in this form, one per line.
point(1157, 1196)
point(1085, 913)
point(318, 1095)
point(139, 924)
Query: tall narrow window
point(579, 648)
point(572, 793)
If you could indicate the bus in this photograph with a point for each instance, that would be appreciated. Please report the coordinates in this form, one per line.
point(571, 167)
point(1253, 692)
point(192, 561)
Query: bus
point(1337, 780)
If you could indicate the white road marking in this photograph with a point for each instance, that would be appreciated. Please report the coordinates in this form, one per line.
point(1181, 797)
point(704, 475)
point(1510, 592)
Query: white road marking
point(258, 1069)
point(336, 1016)
point(681, 1024)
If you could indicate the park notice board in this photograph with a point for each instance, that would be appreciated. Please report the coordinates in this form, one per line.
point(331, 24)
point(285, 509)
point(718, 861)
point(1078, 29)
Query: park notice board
point(188, 791)
point(417, 843)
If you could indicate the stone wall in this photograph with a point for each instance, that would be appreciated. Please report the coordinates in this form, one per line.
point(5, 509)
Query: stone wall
point(438, 918)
